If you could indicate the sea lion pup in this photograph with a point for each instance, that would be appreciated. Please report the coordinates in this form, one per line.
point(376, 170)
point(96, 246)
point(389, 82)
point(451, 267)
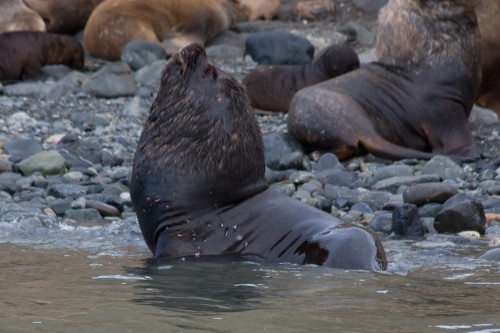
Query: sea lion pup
point(23, 53)
point(488, 16)
point(64, 16)
point(414, 102)
point(114, 23)
point(198, 182)
point(272, 87)
point(16, 16)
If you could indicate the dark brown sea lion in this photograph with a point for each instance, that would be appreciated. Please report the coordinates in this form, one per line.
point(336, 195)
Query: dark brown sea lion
point(114, 23)
point(198, 182)
point(64, 16)
point(414, 102)
point(16, 16)
point(488, 16)
point(23, 53)
point(273, 87)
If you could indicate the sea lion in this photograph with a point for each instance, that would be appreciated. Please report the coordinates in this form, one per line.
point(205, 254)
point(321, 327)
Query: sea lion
point(314, 9)
point(23, 53)
point(273, 87)
point(198, 184)
point(488, 16)
point(414, 101)
point(64, 16)
point(114, 23)
point(16, 16)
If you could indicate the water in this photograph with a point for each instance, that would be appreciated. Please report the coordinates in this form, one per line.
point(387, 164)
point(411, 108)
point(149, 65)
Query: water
point(117, 289)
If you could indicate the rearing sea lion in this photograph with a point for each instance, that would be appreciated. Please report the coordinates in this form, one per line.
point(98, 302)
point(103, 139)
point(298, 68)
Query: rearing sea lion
point(114, 23)
point(198, 182)
point(414, 102)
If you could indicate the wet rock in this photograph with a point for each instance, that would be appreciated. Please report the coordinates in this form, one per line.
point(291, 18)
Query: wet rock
point(28, 89)
point(86, 214)
point(460, 213)
point(391, 184)
point(140, 53)
point(482, 117)
point(491, 255)
point(442, 166)
point(21, 148)
point(69, 84)
point(150, 75)
point(362, 207)
point(312, 186)
point(328, 161)
point(102, 208)
point(336, 177)
point(283, 151)
point(112, 80)
point(60, 206)
point(406, 221)
point(421, 194)
point(491, 186)
point(376, 199)
point(382, 223)
point(88, 122)
point(278, 48)
point(84, 153)
point(300, 177)
point(5, 165)
point(284, 188)
point(429, 210)
point(391, 171)
point(67, 191)
point(48, 162)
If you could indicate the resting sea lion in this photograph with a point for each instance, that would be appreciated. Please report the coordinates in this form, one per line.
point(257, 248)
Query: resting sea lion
point(198, 182)
point(64, 16)
point(15, 16)
point(414, 102)
point(488, 16)
point(272, 87)
point(114, 23)
point(23, 53)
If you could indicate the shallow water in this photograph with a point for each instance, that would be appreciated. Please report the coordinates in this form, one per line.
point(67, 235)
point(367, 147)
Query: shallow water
point(118, 289)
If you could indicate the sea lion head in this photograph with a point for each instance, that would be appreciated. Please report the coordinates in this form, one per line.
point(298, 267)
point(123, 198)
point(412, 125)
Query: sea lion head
point(201, 130)
point(339, 59)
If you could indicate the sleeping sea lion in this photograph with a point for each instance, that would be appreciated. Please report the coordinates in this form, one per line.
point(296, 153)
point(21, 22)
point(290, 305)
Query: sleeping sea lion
point(273, 87)
point(23, 53)
point(114, 23)
point(16, 16)
point(64, 16)
point(198, 184)
point(414, 102)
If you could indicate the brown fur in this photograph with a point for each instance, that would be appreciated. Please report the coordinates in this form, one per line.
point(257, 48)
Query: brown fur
point(273, 87)
point(23, 53)
point(413, 103)
point(15, 16)
point(64, 16)
point(114, 23)
point(488, 15)
point(314, 9)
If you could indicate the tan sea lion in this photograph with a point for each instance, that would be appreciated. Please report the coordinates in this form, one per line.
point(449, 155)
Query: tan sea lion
point(16, 16)
point(414, 102)
point(198, 184)
point(114, 23)
point(64, 16)
point(23, 53)
point(273, 87)
point(488, 16)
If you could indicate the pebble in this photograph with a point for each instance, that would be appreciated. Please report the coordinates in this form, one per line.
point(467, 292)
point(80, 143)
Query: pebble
point(112, 80)
point(47, 162)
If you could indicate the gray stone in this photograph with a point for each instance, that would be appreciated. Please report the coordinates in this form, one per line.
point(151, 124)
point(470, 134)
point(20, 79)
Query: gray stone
point(491, 255)
point(137, 107)
point(28, 89)
point(392, 184)
point(444, 167)
point(283, 151)
point(482, 117)
point(48, 162)
point(460, 213)
point(21, 148)
point(86, 214)
point(359, 33)
point(150, 75)
point(362, 208)
point(429, 210)
point(67, 191)
point(112, 80)
point(382, 223)
point(393, 170)
point(140, 53)
point(376, 199)
point(420, 194)
point(103, 208)
point(406, 221)
point(328, 161)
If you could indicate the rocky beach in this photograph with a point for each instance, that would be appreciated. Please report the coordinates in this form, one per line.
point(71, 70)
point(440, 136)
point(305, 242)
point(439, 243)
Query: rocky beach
point(67, 140)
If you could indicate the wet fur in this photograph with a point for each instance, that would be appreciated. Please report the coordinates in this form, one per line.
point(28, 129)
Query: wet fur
point(23, 53)
point(273, 87)
point(414, 101)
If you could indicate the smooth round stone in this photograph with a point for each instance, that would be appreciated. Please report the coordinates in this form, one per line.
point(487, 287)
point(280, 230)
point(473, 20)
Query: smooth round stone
point(460, 213)
point(112, 80)
point(285, 188)
point(67, 191)
point(48, 162)
point(442, 166)
point(86, 214)
point(420, 194)
point(382, 223)
point(491, 255)
point(140, 53)
point(21, 148)
point(79, 203)
point(406, 221)
point(104, 209)
point(283, 151)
